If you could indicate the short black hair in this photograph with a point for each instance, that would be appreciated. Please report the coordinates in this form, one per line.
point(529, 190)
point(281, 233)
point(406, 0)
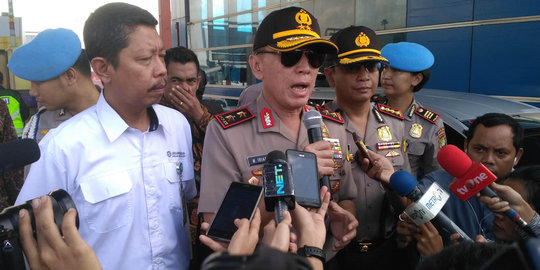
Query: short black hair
point(498, 119)
point(425, 78)
point(181, 55)
point(107, 29)
point(530, 178)
point(82, 65)
point(202, 84)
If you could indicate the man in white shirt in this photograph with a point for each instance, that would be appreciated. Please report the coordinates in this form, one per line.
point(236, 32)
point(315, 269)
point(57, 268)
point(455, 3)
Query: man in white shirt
point(126, 162)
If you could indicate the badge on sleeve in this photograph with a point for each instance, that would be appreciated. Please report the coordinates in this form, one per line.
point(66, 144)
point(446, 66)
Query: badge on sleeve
point(416, 130)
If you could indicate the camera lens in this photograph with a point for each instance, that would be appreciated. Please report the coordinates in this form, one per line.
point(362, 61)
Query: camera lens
point(61, 202)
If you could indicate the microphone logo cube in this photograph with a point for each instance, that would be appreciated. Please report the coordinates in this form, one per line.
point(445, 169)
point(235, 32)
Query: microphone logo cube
point(429, 205)
point(476, 179)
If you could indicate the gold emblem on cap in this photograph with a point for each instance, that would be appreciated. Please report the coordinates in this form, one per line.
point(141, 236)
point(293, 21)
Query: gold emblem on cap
point(362, 40)
point(303, 18)
point(416, 130)
point(384, 134)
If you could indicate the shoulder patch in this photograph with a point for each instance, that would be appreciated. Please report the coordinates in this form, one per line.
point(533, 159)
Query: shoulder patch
point(234, 117)
point(427, 114)
point(390, 111)
point(328, 114)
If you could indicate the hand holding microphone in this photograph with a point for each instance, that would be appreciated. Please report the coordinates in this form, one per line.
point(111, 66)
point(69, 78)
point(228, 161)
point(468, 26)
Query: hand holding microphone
point(471, 178)
point(426, 206)
point(278, 185)
point(313, 122)
point(512, 199)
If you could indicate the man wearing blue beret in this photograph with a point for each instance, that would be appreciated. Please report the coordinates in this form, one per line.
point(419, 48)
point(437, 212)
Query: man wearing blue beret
point(126, 162)
point(60, 79)
point(407, 73)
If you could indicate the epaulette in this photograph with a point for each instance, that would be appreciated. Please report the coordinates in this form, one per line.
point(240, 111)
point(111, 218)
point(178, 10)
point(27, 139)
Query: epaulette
point(427, 114)
point(234, 117)
point(328, 114)
point(390, 111)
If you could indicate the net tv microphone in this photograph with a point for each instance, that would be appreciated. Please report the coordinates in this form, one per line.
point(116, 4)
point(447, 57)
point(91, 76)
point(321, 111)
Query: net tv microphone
point(278, 185)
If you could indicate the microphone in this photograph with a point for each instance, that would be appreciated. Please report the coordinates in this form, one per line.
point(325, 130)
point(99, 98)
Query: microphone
point(426, 206)
point(18, 153)
point(278, 185)
point(471, 178)
point(313, 122)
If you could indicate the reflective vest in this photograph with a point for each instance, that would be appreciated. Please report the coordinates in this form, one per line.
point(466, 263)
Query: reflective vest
point(15, 110)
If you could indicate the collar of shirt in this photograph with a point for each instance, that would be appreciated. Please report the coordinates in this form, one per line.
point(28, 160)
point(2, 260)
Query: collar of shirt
point(113, 124)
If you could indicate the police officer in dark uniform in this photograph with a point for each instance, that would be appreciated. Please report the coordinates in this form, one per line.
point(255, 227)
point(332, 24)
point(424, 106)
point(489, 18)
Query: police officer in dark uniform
point(407, 72)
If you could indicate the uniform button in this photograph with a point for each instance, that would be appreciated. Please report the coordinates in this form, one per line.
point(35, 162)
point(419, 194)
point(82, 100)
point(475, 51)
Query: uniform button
point(157, 260)
point(369, 184)
point(150, 191)
point(155, 226)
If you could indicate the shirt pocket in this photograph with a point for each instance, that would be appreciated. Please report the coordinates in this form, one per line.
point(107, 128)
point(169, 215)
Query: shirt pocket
point(416, 148)
point(108, 201)
point(171, 173)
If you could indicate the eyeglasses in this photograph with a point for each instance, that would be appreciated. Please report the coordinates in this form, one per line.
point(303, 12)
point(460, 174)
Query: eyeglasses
point(369, 67)
point(291, 58)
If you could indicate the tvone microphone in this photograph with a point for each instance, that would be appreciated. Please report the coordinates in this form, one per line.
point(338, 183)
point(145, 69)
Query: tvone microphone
point(313, 123)
point(471, 178)
point(278, 184)
point(18, 153)
point(426, 206)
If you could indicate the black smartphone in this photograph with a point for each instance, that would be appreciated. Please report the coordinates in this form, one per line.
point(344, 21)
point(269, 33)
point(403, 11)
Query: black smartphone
point(305, 177)
point(240, 201)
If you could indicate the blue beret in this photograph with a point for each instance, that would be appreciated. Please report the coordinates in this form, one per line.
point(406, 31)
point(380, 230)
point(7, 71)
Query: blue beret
point(408, 56)
point(48, 55)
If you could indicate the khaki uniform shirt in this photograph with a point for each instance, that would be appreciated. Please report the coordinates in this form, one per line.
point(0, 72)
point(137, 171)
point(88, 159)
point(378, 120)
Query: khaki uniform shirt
point(44, 120)
point(425, 137)
point(372, 206)
point(236, 153)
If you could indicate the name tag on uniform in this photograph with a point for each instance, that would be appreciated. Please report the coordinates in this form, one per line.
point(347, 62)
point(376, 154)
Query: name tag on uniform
point(256, 160)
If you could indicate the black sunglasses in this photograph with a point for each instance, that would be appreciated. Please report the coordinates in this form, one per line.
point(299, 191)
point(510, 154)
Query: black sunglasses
point(290, 58)
point(370, 67)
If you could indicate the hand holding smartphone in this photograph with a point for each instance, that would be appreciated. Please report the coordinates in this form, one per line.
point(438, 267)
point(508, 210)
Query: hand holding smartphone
point(305, 177)
point(240, 201)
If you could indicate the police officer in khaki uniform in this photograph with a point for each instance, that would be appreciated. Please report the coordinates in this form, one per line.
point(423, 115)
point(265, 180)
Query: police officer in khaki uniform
point(355, 75)
point(408, 72)
point(287, 53)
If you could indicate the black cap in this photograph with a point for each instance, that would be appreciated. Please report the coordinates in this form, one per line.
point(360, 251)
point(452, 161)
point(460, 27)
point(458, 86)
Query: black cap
point(291, 28)
point(357, 44)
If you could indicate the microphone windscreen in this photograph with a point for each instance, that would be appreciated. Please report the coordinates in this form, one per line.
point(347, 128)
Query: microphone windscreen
point(312, 119)
point(18, 153)
point(403, 182)
point(275, 156)
point(454, 161)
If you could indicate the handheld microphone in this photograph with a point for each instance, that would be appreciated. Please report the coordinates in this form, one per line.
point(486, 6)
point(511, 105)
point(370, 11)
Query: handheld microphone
point(18, 153)
point(426, 206)
point(313, 122)
point(278, 185)
point(471, 178)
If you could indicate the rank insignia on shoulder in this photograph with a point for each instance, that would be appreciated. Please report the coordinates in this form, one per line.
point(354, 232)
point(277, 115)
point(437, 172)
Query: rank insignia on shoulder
point(234, 117)
point(390, 111)
point(328, 114)
point(427, 114)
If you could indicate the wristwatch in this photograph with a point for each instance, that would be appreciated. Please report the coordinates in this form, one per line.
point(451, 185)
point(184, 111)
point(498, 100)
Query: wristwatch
point(309, 251)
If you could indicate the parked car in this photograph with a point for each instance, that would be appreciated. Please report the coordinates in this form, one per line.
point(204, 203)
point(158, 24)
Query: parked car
point(459, 109)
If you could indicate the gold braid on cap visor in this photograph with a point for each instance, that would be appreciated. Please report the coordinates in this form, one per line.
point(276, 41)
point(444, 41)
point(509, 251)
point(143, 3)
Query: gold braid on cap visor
point(297, 36)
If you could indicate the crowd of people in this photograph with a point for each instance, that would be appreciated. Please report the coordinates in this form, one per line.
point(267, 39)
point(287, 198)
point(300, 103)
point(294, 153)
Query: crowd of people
point(147, 161)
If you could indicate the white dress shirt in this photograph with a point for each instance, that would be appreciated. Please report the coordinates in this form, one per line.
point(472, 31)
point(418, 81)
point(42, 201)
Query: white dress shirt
point(125, 183)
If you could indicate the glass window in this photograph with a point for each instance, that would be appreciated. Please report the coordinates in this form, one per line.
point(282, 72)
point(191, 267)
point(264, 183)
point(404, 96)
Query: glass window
point(227, 67)
point(240, 29)
point(334, 15)
point(198, 35)
point(381, 14)
point(219, 8)
point(198, 10)
point(239, 5)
